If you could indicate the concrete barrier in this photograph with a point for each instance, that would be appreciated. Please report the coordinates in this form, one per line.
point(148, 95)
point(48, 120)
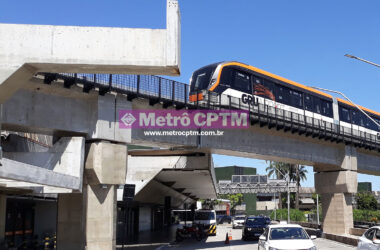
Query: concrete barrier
point(357, 231)
point(349, 240)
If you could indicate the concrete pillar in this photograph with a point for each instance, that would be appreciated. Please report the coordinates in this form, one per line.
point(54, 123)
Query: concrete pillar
point(88, 220)
point(336, 185)
point(101, 217)
point(3, 207)
point(71, 222)
point(337, 213)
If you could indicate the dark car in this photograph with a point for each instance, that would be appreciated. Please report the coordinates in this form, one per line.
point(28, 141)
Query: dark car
point(220, 219)
point(254, 227)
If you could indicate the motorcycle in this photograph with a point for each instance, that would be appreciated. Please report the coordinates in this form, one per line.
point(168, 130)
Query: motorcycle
point(189, 232)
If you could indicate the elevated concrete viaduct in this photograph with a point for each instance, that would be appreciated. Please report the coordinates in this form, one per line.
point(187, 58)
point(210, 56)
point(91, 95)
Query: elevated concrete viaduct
point(336, 164)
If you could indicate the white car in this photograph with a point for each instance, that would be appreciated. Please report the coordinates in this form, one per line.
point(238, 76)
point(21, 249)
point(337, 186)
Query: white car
point(370, 240)
point(238, 221)
point(286, 236)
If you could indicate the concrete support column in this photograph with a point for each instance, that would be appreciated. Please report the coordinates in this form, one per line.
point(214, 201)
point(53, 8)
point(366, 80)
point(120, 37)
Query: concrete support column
point(337, 213)
point(3, 207)
point(71, 222)
point(336, 185)
point(88, 220)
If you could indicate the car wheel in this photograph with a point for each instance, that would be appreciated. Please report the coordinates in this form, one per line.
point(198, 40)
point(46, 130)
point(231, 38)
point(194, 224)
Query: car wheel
point(243, 238)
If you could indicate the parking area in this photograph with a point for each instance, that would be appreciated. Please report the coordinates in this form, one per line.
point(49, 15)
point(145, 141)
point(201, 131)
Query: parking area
point(217, 242)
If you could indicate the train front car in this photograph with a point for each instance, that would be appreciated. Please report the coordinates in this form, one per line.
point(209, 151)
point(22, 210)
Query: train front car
point(201, 81)
point(222, 84)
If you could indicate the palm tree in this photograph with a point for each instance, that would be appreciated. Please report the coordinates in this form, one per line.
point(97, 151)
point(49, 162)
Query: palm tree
point(277, 170)
point(297, 173)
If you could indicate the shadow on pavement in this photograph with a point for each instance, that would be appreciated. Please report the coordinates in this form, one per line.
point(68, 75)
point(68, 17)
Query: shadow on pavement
point(212, 244)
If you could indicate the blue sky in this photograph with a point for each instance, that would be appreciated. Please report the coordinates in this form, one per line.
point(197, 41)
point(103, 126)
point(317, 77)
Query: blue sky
point(301, 40)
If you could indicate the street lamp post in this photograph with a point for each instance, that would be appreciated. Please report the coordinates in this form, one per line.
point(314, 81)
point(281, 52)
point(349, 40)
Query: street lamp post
point(345, 97)
point(287, 177)
point(318, 209)
point(361, 59)
point(288, 182)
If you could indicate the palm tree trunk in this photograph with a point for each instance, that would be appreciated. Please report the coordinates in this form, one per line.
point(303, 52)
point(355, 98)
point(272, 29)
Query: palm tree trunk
point(279, 201)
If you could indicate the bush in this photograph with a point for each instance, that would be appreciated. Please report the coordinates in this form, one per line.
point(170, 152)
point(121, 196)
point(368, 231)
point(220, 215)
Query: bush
point(366, 201)
point(295, 215)
point(366, 215)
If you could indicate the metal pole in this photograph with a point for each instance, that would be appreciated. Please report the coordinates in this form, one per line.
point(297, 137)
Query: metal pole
point(361, 59)
point(317, 209)
point(340, 93)
point(288, 199)
point(275, 212)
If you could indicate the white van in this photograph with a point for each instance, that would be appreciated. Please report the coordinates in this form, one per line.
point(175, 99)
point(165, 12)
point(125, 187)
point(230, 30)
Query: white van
point(207, 218)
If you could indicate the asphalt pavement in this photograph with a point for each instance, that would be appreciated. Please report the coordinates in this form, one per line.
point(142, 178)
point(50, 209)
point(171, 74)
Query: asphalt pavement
point(218, 242)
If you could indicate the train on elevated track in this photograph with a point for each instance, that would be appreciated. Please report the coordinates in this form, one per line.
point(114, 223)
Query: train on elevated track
point(254, 86)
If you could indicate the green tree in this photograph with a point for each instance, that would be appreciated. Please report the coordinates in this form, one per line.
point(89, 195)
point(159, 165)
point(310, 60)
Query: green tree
point(366, 201)
point(297, 174)
point(235, 199)
point(277, 170)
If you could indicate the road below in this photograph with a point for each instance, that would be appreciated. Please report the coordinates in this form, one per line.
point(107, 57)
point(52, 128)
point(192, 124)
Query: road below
point(217, 242)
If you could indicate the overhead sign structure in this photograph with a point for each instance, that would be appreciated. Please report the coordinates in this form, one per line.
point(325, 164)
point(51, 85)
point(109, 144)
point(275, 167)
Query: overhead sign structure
point(254, 184)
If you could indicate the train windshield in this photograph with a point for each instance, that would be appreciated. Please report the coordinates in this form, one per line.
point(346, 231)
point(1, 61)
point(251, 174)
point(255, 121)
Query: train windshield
point(201, 78)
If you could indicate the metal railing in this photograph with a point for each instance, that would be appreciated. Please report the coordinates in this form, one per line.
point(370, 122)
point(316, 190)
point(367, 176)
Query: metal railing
point(172, 93)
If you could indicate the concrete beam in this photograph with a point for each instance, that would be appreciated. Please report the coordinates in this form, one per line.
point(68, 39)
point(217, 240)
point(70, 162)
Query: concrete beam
point(32, 187)
point(61, 166)
point(106, 163)
point(61, 112)
point(46, 48)
point(143, 169)
point(336, 182)
point(155, 192)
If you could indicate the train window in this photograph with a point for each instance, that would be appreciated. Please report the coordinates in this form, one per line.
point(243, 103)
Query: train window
point(371, 124)
point(357, 118)
point(295, 98)
point(367, 122)
point(269, 85)
point(326, 108)
point(242, 82)
point(282, 94)
point(316, 104)
point(344, 114)
point(226, 78)
point(308, 102)
point(201, 78)
point(376, 127)
point(263, 88)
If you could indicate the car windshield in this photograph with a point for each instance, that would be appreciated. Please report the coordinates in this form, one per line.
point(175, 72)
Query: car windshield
point(288, 233)
point(204, 216)
point(239, 218)
point(254, 221)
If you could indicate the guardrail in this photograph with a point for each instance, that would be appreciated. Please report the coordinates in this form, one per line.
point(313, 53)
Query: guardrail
point(172, 93)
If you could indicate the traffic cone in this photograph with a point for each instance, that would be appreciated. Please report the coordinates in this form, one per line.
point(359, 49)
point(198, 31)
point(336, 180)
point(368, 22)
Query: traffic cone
point(227, 241)
point(230, 235)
